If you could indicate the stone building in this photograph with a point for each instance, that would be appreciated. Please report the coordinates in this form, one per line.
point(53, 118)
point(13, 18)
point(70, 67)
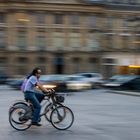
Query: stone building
point(69, 36)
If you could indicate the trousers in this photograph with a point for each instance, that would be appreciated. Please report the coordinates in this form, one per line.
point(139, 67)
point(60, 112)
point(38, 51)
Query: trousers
point(35, 99)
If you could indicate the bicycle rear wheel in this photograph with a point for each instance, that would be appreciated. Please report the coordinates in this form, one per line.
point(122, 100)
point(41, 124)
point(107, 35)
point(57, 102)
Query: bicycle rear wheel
point(15, 119)
point(62, 117)
point(17, 104)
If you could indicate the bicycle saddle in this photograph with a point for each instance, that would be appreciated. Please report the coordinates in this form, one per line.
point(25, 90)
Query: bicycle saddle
point(27, 100)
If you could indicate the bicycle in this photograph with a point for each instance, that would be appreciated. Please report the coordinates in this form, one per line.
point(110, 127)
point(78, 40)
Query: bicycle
point(60, 116)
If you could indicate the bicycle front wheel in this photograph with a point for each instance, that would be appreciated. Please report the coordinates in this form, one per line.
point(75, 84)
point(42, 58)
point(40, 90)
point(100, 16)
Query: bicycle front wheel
point(49, 108)
point(62, 117)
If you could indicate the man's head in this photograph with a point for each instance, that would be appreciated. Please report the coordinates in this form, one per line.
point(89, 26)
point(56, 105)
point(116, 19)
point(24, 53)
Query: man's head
point(36, 72)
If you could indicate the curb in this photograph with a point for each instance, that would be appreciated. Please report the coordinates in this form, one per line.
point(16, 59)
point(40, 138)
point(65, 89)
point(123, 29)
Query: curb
point(126, 92)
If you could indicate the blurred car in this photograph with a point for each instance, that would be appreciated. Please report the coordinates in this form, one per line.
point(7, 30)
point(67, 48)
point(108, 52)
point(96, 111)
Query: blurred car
point(62, 83)
point(3, 78)
point(56, 81)
point(123, 82)
point(15, 82)
point(93, 78)
point(48, 81)
point(76, 83)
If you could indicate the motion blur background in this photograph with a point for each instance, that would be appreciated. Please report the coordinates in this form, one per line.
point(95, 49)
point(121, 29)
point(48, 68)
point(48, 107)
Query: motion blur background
point(70, 36)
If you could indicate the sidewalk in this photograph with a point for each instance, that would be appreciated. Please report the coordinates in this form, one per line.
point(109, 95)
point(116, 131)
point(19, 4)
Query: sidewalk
point(132, 93)
point(5, 87)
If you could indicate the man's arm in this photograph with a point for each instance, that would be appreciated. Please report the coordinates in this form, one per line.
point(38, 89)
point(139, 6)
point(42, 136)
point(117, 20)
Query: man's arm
point(42, 88)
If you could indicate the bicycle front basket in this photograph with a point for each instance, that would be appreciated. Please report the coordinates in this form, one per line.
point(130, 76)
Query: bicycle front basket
point(60, 99)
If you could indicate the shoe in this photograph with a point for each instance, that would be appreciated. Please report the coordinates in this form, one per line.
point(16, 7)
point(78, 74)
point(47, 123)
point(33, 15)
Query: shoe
point(36, 124)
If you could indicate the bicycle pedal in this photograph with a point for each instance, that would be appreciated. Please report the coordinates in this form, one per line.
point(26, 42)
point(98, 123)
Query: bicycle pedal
point(22, 119)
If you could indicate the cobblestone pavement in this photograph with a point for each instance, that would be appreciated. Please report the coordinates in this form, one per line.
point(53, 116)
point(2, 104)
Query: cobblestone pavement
point(99, 115)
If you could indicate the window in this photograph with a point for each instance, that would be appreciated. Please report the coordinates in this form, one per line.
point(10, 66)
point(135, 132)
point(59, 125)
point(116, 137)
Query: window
point(92, 42)
point(58, 30)
point(137, 42)
point(40, 18)
point(22, 60)
point(75, 40)
point(92, 21)
point(41, 42)
point(3, 60)
point(76, 62)
point(21, 23)
point(2, 39)
point(22, 63)
point(58, 40)
point(22, 70)
point(59, 60)
point(41, 59)
point(93, 63)
point(109, 22)
point(125, 23)
point(75, 31)
point(22, 18)
point(126, 42)
point(3, 64)
point(2, 18)
point(74, 19)
point(109, 40)
point(108, 61)
point(22, 39)
point(58, 19)
point(93, 60)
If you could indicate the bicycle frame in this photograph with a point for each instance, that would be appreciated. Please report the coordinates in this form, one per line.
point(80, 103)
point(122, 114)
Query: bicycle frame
point(47, 101)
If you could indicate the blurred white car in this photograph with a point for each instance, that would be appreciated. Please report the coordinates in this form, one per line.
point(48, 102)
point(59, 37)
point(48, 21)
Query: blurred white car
point(75, 82)
point(93, 78)
point(61, 82)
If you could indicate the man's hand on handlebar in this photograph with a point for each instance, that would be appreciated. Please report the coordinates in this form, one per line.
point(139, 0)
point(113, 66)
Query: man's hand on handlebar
point(44, 90)
point(49, 91)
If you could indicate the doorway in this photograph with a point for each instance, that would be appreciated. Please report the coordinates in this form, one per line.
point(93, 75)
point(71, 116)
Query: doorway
point(59, 64)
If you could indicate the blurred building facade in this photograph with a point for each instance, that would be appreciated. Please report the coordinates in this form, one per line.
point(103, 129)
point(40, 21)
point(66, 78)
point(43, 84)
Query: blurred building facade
point(69, 36)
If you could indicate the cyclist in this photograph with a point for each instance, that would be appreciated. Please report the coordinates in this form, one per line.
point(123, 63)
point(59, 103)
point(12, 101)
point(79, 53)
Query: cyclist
point(29, 88)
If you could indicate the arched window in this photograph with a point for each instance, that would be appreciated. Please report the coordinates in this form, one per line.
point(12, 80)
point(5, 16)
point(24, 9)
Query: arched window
point(94, 64)
point(76, 63)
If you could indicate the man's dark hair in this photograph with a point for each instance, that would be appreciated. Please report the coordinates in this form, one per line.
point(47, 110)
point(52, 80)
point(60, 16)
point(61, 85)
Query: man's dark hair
point(34, 71)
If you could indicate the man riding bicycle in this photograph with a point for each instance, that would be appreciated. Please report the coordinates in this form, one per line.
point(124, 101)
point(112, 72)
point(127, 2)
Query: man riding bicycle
point(30, 93)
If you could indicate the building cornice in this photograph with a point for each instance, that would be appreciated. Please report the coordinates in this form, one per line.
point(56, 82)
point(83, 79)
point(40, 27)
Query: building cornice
point(50, 7)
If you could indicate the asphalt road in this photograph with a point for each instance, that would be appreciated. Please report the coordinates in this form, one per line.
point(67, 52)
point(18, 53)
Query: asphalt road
point(99, 115)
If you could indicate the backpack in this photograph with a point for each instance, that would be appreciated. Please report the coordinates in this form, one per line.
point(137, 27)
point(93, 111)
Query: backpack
point(23, 84)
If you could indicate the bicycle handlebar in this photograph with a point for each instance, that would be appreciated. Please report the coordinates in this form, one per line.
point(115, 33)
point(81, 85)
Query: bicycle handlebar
point(50, 92)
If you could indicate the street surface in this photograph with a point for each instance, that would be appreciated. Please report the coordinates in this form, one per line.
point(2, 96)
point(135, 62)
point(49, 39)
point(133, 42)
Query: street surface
point(99, 115)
